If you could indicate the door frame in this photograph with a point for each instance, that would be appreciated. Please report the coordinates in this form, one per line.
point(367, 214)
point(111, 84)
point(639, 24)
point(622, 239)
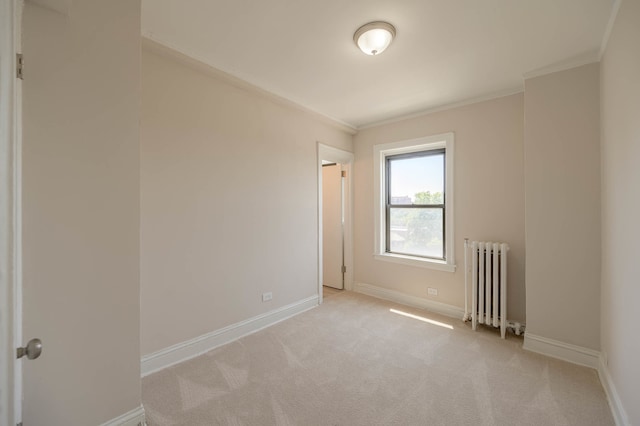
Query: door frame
point(335, 155)
point(10, 213)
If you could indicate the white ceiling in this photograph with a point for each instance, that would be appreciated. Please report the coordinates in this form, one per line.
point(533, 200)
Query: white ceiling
point(445, 51)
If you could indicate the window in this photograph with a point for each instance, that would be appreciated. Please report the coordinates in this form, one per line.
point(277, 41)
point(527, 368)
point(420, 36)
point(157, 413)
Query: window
point(414, 202)
point(415, 210)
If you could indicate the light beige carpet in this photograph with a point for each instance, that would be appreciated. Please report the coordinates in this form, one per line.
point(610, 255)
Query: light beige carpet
point(352, 361)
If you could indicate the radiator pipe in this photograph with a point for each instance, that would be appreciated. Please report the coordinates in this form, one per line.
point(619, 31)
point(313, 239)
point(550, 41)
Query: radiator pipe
point(474, 287)
point(466, 281)
point(503, 300)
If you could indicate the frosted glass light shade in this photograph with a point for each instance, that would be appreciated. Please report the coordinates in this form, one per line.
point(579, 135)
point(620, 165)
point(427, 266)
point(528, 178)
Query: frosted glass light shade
point(373, 38)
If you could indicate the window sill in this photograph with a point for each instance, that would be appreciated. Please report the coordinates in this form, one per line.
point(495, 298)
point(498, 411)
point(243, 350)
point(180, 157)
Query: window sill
point(416, 261)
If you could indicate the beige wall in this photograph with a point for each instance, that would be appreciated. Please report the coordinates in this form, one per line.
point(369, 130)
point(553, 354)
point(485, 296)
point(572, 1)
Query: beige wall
point(80, 211)
point(489, 196)
point(562, 187)
point(229, 205)
point(620, 78)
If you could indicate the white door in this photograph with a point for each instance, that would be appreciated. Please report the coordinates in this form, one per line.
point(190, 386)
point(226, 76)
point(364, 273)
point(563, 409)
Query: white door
point(332, 226)
point(80, 211)
point(52, 234)
point(49, 256)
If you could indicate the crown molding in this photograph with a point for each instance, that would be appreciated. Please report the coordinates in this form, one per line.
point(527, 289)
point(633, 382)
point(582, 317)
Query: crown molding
point(153, 44)
point(574, 62)
point(607, 32)
point(444, 107)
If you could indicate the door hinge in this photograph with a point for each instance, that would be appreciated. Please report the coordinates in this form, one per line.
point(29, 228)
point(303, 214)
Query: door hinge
point(19, 66)
point(344, 173)
point(344, 269)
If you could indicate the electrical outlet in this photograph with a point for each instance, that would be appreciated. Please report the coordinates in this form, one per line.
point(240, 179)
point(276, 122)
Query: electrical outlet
point(432, 291)
point(267, 296)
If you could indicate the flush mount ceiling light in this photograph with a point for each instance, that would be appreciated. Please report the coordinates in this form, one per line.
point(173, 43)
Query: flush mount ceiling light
point(373, 38)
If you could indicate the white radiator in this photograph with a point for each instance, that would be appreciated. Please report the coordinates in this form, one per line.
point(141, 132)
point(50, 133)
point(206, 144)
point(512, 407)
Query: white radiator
point(485, 277)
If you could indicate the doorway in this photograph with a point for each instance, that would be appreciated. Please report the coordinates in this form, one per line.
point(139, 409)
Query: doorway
point(335, 240)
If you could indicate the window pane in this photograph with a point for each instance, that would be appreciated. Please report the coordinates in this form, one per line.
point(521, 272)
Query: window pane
point(416, 231)
point(417, 180)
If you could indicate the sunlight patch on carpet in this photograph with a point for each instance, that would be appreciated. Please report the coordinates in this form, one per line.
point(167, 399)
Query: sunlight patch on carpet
point(423, 319)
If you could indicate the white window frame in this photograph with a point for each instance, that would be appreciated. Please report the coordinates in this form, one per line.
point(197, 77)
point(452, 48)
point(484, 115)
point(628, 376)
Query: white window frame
point(380, 154)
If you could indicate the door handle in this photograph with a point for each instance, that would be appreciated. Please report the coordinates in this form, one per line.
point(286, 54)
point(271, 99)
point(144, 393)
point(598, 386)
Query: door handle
point(32, 350)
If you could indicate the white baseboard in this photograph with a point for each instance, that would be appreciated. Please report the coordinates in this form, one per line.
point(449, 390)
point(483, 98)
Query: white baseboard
point(406, 299)
point(134, 417)
point(618, 411)
point(201, 344)
point(561, 350)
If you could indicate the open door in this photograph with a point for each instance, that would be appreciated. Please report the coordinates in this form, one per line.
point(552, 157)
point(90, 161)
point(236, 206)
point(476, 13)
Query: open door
point(79, 213)
point(332, 226)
